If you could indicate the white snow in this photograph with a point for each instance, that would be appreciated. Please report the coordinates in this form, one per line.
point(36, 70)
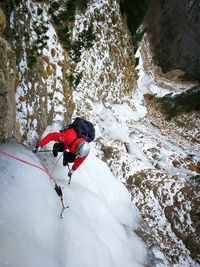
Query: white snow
point(145, 84)
point(96, 230)
point(114, 123)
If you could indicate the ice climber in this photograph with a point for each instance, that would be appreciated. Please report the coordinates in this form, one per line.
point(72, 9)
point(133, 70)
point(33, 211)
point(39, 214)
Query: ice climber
point(75, 148)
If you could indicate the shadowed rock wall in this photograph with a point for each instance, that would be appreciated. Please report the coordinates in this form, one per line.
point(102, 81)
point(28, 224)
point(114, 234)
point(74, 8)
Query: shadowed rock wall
point(174, 34)
point(7, 85)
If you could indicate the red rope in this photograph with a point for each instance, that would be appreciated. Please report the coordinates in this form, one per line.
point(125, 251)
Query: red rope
point(42, 169)
point(26, 162)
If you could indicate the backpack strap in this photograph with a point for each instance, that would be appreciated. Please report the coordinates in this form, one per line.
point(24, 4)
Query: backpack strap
point(71, 144)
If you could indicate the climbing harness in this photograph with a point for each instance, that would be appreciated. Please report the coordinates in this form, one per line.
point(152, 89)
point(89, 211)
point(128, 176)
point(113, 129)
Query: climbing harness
point(56, 186)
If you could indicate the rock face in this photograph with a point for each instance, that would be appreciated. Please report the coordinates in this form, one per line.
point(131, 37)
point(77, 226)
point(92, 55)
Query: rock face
point(2, 20)
point(171, 208)
point(108, 67)
point(134, 11)
point(42, 94)
point(7, 85)
point(95, 52)
point(174, 34)
point(90, 52)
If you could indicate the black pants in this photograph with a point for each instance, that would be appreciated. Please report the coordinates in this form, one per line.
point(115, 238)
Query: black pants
point(68, 157)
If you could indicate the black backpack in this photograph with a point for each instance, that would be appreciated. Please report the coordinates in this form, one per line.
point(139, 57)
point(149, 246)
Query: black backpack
point(83, 128)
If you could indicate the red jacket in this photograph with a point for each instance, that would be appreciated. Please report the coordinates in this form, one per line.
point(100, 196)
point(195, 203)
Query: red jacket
point(67, 137)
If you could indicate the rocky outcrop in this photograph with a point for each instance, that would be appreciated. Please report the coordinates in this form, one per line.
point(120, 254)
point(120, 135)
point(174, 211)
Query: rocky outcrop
point(43, 94)
point(108, 67)
point(171, 208)
point(93, 56)
point(186, 210)
point(134, 12)
point(2, 20)
point(174, 35)
point(7, 85)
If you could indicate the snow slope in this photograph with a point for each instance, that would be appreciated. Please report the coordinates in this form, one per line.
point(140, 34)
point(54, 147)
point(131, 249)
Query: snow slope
point(96, 230)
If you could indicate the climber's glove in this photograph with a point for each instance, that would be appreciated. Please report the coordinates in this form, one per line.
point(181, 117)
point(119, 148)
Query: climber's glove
point(36, 149)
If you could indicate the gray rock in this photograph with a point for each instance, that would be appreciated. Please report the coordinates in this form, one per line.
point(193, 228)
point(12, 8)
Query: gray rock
point(7, 90)
point(174, 34)
point(2, 20)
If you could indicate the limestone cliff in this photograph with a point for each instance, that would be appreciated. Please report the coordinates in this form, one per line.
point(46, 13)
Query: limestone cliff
point(59, 47)
point(8, 74)
point(174, 36)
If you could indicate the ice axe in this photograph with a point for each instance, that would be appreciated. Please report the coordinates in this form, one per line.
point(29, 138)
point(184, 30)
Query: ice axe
point(60, 194)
